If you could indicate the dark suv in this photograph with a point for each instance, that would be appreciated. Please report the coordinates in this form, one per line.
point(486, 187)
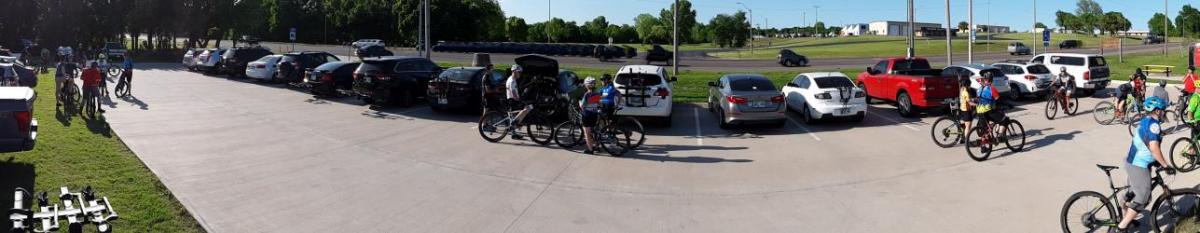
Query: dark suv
point(393, 80)
point(789, 58)
point(233, 61)
point(658, 53)
point(1070, 44)
point(293, 64)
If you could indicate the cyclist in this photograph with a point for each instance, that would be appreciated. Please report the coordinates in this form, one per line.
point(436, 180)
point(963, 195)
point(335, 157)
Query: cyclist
point(126, 79)
point(1192, 113)
point(514, 97)
point(965, 96)
point(91, 85)
point(63, 73)
point(1064, 87)
point(1144, 152)
point(1130, 91)
point(589, 105)
point(986, 102)
point(610, 96)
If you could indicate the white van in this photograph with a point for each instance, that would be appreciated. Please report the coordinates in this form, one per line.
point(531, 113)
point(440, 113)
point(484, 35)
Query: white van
point(1090, 70)
point(646, 91)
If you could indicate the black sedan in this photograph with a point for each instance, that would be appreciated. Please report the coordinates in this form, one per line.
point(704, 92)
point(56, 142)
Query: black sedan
point(461, 88)
point(330, 78)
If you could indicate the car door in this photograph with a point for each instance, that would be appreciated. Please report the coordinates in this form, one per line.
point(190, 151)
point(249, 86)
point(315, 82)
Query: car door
point(876, 80)
point(805, 89)
point(714, 93)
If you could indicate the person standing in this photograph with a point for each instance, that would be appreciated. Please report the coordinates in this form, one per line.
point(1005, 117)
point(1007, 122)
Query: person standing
point(1189, 81)
point(589, 106)
point(91, 84)
point(491, 89)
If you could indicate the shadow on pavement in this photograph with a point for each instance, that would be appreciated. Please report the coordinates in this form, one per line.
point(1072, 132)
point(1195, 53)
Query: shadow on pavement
point(136, 102)
point(98, 125)
point(661, 153)
point(13, 175)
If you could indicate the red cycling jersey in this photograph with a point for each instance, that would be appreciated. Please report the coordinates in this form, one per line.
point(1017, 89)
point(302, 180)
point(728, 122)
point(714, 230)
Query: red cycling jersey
point(1189, 83)
point(91, 77)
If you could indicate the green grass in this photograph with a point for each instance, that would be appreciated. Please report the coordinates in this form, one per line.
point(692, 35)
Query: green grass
point(883, 46)
point(1122, 70)
point(76, 153)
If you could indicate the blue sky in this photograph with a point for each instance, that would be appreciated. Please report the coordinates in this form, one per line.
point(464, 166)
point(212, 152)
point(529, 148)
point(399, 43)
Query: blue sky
point(786, 13)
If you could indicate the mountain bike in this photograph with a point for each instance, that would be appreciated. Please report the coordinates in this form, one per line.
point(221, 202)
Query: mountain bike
point(984, 138)
point(70, 96)
point(1105, 111)
point(1183, 155)
point(1054, 101)
point(947, 130)
point(615, 137)
point(1089, 211)
point(88, 105)
point(124, 86)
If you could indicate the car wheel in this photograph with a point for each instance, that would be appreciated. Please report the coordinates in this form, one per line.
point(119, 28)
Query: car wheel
point(904, 105)
point(721, 119)
point(866, 97)
point(806, 115)
point(860, 117)
point(1014, 92)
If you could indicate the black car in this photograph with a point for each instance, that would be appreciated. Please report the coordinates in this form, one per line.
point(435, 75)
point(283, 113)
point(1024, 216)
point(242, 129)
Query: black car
point(329, 78)
point(461, 88)
point(393, 80)
point(658, 54)
point(1070, 44)
point(1153, 39)
point(630, 52)
point(373, 51)
point(293, 64)
point(788, 58)
point(233, 61)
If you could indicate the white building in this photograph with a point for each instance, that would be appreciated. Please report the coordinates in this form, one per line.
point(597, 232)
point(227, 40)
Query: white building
point(992, 28)
point(896, 28)
point(857, 29)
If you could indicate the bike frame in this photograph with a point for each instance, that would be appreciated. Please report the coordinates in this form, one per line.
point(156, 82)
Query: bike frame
point(1156, 182)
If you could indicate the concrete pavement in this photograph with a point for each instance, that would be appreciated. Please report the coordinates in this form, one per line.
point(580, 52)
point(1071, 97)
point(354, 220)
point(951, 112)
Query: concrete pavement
point(248, 157)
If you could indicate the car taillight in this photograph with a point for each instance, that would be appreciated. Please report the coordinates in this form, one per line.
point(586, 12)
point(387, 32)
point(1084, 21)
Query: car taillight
point(824, 96)
point(1087, 75)
point(23, 121)
point(777, 99)
point(326, 77)
point(357, 77)
point(260, 66)
point(383, 77)
point(737, 99)
point(1030, 77)
point(662, 92)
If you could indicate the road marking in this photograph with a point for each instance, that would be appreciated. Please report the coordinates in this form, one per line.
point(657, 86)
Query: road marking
point(806, 131)
point(699, 136)
point(906, 125)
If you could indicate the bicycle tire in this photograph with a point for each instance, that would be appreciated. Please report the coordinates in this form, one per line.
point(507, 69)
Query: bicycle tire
point(1184, 162)
point(568, 134)
point(1014, 128)
point(1088, 219)
point(635, 128)
point(540, 133)
point(945, 132)
point(1159, 223)
point(489, 125)
point(974, 137)
point(610, 140)
point(1051, 107)
point(1104, 112)
point(1074, 108)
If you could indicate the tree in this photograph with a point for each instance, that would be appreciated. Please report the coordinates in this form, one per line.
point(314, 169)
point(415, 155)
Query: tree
point(1039, 25)
point(537, 32)
point(730, 30)
point(1066, 20)
point(1188, 21)
point(650, 30)
point(1115, 22)
point(596, 31)
point(819, 27)
point(517, 30)
point(1083, 7)
point(835, 30)
point(1156, 24)
point(557, 30)
point(687, 19)
point(963, 26)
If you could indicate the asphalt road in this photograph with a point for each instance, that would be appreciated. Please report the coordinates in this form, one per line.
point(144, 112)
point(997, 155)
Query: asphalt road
point(711, 63)
point(249, 157)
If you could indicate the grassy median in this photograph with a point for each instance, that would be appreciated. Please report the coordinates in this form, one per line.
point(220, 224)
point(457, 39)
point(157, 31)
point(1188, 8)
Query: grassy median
point(76, 153)
point(882, 46)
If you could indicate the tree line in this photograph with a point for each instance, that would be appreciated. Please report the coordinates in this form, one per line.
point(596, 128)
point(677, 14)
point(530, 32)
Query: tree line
point(1089, 18)
point(163, 24)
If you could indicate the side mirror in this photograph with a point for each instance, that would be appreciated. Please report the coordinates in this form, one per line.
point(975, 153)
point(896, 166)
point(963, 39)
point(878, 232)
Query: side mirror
point(712, 84)
point(673, 78)
point(870, 70)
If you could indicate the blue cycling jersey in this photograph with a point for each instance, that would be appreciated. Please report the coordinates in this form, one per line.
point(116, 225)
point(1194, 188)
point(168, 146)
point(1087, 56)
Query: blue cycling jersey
point(609, 95)
point(1139, 152)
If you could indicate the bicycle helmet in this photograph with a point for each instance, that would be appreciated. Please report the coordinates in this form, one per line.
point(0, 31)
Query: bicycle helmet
point(589, 82)
point(1154, 103)
point(517, 68)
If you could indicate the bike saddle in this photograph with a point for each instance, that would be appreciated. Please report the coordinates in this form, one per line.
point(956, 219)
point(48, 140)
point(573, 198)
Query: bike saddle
point(1106, 168)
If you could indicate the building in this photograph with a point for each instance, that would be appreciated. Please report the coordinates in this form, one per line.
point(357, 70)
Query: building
point(935, 32)
point(896, 28)
point(857, 29)
point(991, 28)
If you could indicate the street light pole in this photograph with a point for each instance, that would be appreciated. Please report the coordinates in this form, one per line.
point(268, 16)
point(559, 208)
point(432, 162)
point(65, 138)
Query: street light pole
point(971, 31)
point(547, 20)
point(425, 45)
point(1166, 27)
point(949, 48)
point(675, 36)
point(1033, 48)
point(751, 19)
point(817, 17)
point(910, 39)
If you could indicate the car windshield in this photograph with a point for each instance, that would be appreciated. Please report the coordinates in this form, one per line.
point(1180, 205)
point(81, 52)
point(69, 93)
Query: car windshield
point(751, 84)
point(1038, 69)
point(458, 75)
point(833, 82)
point(1096, 61)
point(642, 79)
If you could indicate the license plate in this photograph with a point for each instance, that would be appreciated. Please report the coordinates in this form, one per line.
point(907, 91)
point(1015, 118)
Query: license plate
point(758, 104)
point(843, 111)
point(442, 101)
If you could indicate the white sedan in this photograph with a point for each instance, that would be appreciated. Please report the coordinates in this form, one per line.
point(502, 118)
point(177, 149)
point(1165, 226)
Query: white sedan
point(825, 95)
point(264, 68)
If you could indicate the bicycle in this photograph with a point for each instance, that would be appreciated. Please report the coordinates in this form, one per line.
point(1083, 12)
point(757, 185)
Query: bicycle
point(494, 125)
point(70, 95)
point(1183, 155)
point(88, 106)
point(1105, 111)
point(1054, 100)
point(947, 130)
point(616, 138)
point(124, 86)
point(1102, 214)
point(985, 137)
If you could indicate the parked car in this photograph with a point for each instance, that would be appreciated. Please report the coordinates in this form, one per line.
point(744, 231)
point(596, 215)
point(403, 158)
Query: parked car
point(372, 51)
point(461, 88)
point(976, 71)
point(630, 52)
point(647, 91)
point(746, 99)
point(393, 80)
point(658, 54)
point(1153, 39)
point(367, 42)
point(26, 75)
point(18, 127)
point(1026, 79)
point(234, 60)
point(909, 82)
point(1070, 44)
point(293, 64)
point(1091, 71)
point(788, 58)
point(264, 68)
point(189, 59)
point(209, 60)
point(114, 49)
point(819, 96)
point(331, 78)
point(1018, 48)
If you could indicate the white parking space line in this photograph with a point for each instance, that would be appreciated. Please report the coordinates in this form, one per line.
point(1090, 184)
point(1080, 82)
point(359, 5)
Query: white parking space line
point(906, 125)
point(806, 131)
point(699, 136)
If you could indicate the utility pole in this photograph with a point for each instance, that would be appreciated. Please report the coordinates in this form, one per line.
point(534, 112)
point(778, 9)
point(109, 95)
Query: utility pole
point(949, 48)
point(989, 25)
point(910, 39)
point(675, 33)
point(1033, 48)
point(817, 17)
point(971, 31)
point(426, 45)
point(751, 19)
point(1166, 27)
point(421, 29)
point(548, 20)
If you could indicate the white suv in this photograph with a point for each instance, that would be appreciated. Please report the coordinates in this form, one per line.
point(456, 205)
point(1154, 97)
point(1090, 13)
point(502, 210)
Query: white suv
point(1090, 71)
point(646, 91)
point(975, 73)
point(363, 43)
point(1026, 79)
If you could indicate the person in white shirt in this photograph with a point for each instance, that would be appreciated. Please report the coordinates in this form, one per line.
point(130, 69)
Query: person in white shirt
point(513, 92)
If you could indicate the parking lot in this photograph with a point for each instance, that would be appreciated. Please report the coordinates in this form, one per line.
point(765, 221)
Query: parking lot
point(250, 157)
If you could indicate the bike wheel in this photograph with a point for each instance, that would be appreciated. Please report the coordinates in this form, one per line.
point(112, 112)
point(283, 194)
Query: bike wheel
point(1171, 122)
point(1174, 207)
point(1051, 108)
point(568, 134)
point(978, 147)
point(614, 141)
point(1104, 113)
point(493, 126)
point(634, 127)
point(1183, 155)
point(1074, 108)
point(540, 133)
point(1088, 211)
point(1014, 136)
point(945, 132)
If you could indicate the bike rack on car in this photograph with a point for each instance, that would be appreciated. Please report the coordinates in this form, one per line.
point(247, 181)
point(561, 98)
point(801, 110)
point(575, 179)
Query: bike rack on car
point(78, 208)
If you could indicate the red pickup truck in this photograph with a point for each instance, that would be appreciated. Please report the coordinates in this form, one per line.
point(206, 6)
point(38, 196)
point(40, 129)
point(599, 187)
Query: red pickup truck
point(909, 82)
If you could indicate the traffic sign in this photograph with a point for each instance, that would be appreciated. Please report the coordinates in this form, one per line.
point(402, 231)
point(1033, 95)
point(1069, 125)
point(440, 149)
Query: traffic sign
point(292, 34)
point(1045, 38)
